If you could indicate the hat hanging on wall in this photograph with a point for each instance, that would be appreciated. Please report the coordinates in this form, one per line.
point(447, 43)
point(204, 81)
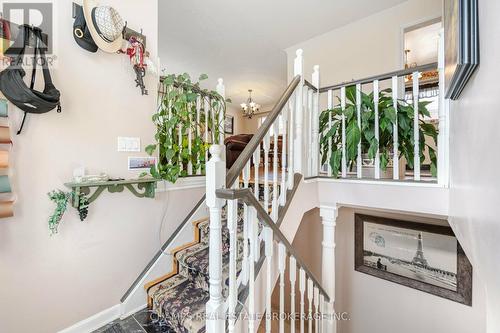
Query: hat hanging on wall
point(105, 25)
point(81, 32)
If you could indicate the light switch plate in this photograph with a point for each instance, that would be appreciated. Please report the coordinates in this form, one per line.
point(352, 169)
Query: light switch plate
point(129, 144)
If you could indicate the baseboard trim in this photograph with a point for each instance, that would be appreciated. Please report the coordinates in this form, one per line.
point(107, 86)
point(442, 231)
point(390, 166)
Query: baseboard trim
point(96, 321)
point(128, 314)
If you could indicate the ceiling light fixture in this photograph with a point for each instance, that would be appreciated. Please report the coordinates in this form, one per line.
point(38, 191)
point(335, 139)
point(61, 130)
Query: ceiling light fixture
point(250, 107)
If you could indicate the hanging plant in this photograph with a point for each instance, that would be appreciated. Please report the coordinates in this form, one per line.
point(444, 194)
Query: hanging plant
point(369, 144)
point(61, 199)
point(177, 114)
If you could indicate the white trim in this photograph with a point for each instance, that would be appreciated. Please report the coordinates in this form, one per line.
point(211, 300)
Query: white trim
point(374, 182)
point(96, 321)
point(128, 314)
point(182, 184)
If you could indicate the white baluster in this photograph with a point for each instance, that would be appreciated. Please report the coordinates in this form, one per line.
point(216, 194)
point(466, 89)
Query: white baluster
point(315, 123)
point(221, 90)
point(330, 141)
point(291, 160)
point(266, 144)
point(281, 267)
point(275, 171)
point(269, 286)
point(302, 289)
point(321, 311)
point(232, 225)
point(395, 134)
point(190, 144)
point(293, 279)
point(328, 216)
point(316, 309)
point(256, 165)
point(359, 161)
point(299, 114)
point(416, 127)
point(179, 131)
point(198, 124)
point(253, 234)
point(245, 268)
point(344, 152)
point(207, 115)
point(310, 294)
point(376, 95)
point(309, 139)
point(215, 179)
point(284, 124)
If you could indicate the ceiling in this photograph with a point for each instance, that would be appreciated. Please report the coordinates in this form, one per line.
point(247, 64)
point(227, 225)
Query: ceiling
point(244, 42)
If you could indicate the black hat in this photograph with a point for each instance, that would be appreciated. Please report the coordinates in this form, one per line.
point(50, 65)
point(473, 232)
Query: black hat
point(81, 32)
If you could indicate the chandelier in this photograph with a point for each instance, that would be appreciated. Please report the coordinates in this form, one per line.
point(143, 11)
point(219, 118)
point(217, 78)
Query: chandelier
point(250, 107)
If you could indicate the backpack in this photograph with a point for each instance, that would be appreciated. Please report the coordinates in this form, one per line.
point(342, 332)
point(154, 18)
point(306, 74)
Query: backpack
point(15, 89)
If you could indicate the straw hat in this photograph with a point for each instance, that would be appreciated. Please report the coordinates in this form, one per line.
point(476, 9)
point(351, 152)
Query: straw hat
point(105, 25)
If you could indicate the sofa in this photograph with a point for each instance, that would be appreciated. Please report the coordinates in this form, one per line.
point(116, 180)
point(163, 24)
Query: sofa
point(234, 146)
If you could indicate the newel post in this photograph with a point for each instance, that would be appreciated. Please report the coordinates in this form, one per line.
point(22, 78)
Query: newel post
point(315, 125)
point(215, 179)
point(329, 217)
point(298, 69)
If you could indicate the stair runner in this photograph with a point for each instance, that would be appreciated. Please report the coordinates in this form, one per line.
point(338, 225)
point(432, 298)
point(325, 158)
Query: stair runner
point(180, 299)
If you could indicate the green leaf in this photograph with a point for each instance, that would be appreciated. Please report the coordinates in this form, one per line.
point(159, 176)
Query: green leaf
point(335, 162)
point(150, 149)
point(203, 77)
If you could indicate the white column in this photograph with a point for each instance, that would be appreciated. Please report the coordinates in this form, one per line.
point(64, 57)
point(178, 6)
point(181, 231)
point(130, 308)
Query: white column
point(198, 124)
point(316, 310)
point(309, 129)
point(302, 290)
point(291, 142)
point(274, 212)
point(221, 90)
point(299, 113)
point(215, 179)
point(284, 186)
point(315, 124)
point(330, 141)
point(232, 225)
point(245, 268)
point(266, 144)
point(310, 295)
point(253, 234)
point(328, 216)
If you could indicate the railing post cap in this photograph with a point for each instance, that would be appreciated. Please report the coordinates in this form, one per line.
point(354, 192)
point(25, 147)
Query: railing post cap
point(220, 80)
point(316, 68)
point(299, 52)
point(215, 150)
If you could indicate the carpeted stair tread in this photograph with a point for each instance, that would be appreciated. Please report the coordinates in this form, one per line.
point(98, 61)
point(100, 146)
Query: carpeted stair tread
point(183, 308)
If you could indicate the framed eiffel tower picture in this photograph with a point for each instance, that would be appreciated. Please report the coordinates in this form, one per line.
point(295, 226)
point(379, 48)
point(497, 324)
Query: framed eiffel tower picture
point(426, 257)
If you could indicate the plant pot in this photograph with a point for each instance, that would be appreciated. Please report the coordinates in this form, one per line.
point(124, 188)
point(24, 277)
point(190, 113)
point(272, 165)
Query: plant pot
point(368, 169)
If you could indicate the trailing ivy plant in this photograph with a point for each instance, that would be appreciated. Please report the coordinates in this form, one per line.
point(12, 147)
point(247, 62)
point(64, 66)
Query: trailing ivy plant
point(61, 199)
point(369, 144)
point(177, 112)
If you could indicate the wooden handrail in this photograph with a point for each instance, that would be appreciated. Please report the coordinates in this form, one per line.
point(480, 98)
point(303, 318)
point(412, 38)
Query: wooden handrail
point(248, 198)
point(254, 143)
point(386, 76)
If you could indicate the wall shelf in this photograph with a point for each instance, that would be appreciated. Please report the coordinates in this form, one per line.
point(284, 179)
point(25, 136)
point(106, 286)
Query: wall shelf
point(141, 188)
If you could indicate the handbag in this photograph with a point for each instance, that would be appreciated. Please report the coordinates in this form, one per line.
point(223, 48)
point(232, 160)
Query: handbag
point(12, 82)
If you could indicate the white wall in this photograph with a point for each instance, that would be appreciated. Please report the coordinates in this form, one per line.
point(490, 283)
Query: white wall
point(474, 160)
point(379, 306)
point(48, 283)
point(370, 46)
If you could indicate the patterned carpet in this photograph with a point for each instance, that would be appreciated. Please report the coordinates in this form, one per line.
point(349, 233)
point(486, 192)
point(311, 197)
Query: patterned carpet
point(180, 299)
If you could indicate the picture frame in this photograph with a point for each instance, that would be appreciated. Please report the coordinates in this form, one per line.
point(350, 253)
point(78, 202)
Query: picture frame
point(141, 163)
point(229, 124)
point(425, 257)
point(461, 32)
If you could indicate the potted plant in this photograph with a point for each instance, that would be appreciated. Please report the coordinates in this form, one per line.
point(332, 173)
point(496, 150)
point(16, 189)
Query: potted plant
point(177, 112)
point(369, 144)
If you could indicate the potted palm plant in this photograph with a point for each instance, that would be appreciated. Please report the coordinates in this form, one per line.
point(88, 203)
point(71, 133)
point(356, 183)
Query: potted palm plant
point(369, 144)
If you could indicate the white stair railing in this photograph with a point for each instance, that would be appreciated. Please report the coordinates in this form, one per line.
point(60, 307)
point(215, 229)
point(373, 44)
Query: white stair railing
point(276, 153)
